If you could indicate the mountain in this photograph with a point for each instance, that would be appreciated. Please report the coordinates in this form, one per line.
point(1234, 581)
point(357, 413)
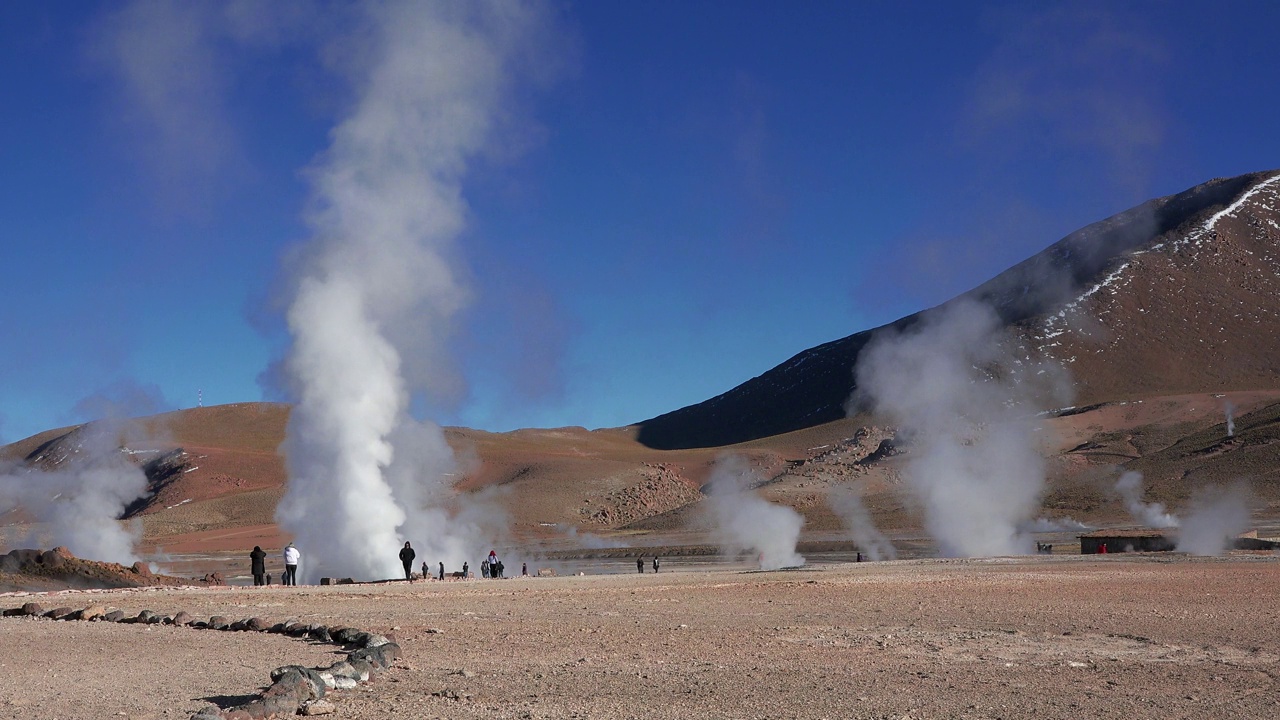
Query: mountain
point(1178, 295)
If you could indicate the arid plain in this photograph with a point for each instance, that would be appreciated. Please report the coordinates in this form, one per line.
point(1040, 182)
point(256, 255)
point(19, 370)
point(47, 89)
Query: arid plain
point(1056, 637)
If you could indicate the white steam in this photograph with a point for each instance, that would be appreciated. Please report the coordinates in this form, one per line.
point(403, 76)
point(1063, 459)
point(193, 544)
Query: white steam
point(1230, 410)
point(78, 504)
point(847, 504)
point(1153, 514)
point(380, 289)
point(1213, 519)
point(1048, 525)
point(968, 409)
point(742, 520)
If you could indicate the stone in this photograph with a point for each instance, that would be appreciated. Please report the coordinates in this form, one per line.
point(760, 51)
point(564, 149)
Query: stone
point(256, 624)
point(53, 559)
point(237, 626)
point(59, 613)
point(214, 578)
point(13, 612)
point(93, 612)
point(361, 669)
point(144, 617)
point(114, 616)
point(321, 634)
point(346, 636)
point(372, 640)
point(183, 618)
point(218, 622)
point(390, 652)
point(141, 568)
point(318, 707)
point(32, 609)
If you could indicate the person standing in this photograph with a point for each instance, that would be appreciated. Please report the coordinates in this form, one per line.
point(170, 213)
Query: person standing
point(655, 564)
point(258, 565)
point(291, 558)
point(640, 564)
point(465, 570)
point(524, 569)
point(441, 571)
point(406, 558)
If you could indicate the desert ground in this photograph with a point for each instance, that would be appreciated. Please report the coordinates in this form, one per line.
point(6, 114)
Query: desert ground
point(1119, 636)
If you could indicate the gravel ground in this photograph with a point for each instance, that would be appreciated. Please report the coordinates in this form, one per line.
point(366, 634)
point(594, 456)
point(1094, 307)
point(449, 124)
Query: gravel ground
point(1061, 637)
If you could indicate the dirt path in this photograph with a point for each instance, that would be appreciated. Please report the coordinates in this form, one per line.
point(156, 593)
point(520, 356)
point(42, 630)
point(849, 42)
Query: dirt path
point(1068, 637)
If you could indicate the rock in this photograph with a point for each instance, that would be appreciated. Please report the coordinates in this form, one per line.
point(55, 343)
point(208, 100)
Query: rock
point(12, 612)
point(237, 626)
point(346, 636)
point(32, 609)
point(218, 622)
point(114, 616)
point(372, 640)
point(183, 618)
point(59, 613)
point(256, 624)
point(321, 634)
point(361, 669)
point(318, 707)
point(434, 631)
point(390, 652)
point(141, 568)
point(53, 559)
point(144, 617)
point(93, 612)
point(213, 578)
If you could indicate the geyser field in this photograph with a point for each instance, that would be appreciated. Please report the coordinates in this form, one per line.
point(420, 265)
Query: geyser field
point(1061, 637)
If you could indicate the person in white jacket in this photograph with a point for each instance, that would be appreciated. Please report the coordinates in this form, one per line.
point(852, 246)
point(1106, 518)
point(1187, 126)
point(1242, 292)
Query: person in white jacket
point(291, 557)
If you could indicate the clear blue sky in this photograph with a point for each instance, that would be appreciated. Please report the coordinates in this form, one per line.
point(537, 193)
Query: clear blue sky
point(705, 188)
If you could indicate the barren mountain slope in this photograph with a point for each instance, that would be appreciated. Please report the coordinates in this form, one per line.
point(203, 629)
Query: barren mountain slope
point(1178, 295)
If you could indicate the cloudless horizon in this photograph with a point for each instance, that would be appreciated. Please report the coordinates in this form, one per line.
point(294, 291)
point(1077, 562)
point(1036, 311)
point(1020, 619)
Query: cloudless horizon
point(689, 194)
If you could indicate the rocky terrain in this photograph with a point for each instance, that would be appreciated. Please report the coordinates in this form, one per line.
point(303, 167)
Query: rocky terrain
point(1060, 637)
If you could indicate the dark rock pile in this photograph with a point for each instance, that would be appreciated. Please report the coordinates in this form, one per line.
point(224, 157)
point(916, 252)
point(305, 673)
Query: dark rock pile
point(294, 689)
point(31, 569)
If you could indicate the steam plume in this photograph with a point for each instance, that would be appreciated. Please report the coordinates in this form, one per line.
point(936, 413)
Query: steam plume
point(742, 520)
point(1213, 518)
point(1230, 409)
point(380, 290)
point(1152, 514)
point(78, 504)
point(969, 410)
point(847, 503)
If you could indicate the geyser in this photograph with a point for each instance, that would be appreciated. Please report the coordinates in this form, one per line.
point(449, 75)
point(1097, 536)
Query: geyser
point(971, 411)
point(743, 520)
point(379, 291)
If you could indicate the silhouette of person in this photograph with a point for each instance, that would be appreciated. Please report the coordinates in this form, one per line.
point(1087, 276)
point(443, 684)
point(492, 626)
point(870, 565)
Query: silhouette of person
point(258, 563)
point(406, 558)
point(655, 563)
point(465, 571)
point(640, 564)
point(441, 571)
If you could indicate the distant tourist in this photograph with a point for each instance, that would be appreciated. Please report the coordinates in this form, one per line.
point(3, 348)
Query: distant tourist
point(640, 564)
point(465, 571)
point(499, 569)
point(441, 571)
point(406, 558)
point(425, 573)
point(485, 567)
point(655, 563)
point(291, 558)
point(258, 563)
point(524, 568)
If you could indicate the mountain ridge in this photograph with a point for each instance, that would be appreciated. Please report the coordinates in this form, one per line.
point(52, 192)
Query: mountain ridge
point(812, 387)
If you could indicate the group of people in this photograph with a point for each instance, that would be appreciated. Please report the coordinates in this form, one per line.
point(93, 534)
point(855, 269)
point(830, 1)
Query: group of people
point(640, 564)
point(258, 565)
point(490, 567)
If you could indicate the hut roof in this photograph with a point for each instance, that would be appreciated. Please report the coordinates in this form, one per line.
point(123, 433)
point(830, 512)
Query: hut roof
point(1126, 533)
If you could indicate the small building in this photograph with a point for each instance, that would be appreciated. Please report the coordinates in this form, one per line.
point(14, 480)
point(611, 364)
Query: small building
point(1125, 540)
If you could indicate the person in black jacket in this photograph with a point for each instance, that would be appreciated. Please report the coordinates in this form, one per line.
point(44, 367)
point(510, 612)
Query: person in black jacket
point(258, 565)
point(406, 558)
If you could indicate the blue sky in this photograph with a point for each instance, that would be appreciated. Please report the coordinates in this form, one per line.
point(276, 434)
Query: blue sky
point(696, 191)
